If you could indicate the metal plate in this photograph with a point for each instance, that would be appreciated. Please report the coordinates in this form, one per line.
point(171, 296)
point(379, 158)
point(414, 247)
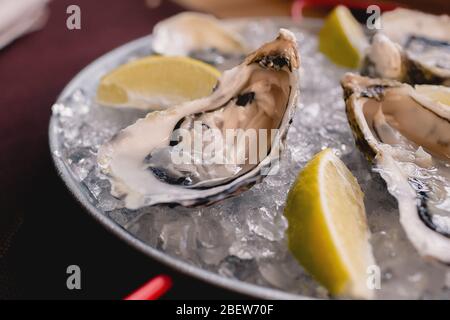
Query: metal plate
point(88, 79)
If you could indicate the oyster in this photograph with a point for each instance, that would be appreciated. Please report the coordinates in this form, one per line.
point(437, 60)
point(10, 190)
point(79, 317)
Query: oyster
point(190, 33)
point(142, 161)
point(405, 51)
point(388, 60)
point(402, 24)
point(405, 131)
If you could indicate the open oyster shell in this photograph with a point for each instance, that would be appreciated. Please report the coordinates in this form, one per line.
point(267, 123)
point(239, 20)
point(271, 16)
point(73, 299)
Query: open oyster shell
point(388, 60)
point(259, 94)
point(401, 24)
point(406, 133)
point(190, 33)
point(412, 47)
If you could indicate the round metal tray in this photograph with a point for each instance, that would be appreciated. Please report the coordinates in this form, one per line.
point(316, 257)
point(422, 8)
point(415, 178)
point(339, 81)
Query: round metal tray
point(88, 78)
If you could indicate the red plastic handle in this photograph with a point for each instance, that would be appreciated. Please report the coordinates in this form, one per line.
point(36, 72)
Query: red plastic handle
point(153, 289)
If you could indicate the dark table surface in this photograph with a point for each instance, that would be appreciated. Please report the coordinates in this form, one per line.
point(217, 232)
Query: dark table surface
point(42, 228)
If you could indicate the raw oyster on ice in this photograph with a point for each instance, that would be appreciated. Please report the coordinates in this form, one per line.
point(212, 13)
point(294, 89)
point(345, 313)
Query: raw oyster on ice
point(260, 94)
point(189, 33)
point(388, 60)
point(412, 47)
point(405, 131)
point(401, 24)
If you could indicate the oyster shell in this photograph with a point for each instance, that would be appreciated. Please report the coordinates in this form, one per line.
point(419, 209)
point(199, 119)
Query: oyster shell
point(388, 60)
point(401, 24)
point(189, 33)
point(259, 94)
point(405, 51)
point(406, 133)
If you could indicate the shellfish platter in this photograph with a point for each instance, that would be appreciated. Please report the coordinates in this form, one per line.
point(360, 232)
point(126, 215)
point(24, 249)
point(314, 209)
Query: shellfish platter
point(225, 223)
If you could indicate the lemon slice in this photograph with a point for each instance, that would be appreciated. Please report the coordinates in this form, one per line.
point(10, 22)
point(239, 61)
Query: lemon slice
point(327, 230)
point(156, 82)
point(436, 93)
point(342, 38)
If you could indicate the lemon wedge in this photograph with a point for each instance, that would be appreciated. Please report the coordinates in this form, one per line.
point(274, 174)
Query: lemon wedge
point(156, 82)
point(327, 230)
point(342, 38)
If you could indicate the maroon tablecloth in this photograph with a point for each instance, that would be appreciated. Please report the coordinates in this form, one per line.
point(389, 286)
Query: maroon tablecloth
point(42, 228)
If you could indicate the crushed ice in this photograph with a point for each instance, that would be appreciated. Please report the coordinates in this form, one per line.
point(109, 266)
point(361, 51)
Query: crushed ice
point(243, 237)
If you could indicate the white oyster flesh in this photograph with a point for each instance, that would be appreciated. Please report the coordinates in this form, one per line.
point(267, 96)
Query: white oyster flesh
point(386, 59)
point(411, 47)
point(151, 162)
point(190, 32)
point(400, 24)
point(407, 135)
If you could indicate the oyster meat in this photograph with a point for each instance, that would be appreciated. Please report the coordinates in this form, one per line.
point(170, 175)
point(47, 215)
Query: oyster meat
point(402, 24)
point(259, 95)
point(190, 33)
point(406, 51)
point(388, 60)
point(405, 131)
